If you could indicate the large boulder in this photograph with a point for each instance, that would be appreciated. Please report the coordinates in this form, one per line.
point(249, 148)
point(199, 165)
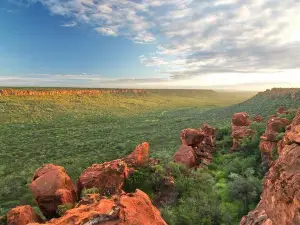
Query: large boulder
point(209, 133)
point(51, 187)
point(126, 209)
point(240, 123)
point(269, 139)
point(108, 177)
point(241, 119)
point(282, 110)
point(186, 156)
point(197, 147)
point(293, 131)
point(280, 200)
point(22, 215)
point(191, 137)
point(139, 156)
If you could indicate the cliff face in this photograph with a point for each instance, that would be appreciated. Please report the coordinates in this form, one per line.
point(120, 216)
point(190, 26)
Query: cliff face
point(24, 92)
point(280, 200)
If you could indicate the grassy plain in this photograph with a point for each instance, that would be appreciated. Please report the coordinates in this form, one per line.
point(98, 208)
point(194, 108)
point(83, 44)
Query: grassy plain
point(77, 131)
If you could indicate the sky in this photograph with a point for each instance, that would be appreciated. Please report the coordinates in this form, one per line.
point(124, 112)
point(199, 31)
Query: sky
point(210, 44)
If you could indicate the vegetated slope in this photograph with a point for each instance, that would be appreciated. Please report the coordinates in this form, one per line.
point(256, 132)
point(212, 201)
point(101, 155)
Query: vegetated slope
point(264, 104)
point(45, 108)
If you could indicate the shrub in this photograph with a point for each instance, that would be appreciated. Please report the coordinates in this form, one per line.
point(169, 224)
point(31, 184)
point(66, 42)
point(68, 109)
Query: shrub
point(62, 209)
point(89, 191)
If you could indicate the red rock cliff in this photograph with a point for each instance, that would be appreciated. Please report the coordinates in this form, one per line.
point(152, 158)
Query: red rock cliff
point(280, 200)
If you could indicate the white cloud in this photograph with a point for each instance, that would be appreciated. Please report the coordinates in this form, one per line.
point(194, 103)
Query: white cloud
point(72, 24)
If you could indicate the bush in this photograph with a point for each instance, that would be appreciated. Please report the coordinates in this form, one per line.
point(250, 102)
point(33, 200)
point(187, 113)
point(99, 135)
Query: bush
point(62, 209)
point(89, 191)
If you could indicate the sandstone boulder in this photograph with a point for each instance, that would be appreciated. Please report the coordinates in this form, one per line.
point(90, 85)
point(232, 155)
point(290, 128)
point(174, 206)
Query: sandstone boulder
point(269, 139)
point(240, 129)
point(191, 137)
point(186, 156)
point(241, 119)
point(139, 156)
point(282, 110)
point(51, 187)
point(22, 215)
point(108, 177)
point(126, 209)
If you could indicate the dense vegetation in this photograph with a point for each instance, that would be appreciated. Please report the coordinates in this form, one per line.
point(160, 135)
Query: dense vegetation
point(221, 194)
point(77, 131)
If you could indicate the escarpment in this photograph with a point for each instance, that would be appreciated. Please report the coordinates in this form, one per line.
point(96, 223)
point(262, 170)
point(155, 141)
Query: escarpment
point(43, 92)
point(280, 200)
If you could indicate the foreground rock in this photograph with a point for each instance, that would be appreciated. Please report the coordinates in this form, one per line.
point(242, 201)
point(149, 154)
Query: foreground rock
point(126, 209)
point(139, 156)
point(22, 215)
point(197, 147)
point(108, 177)
point(51, 187)
point(280, 200)
point(240, 129)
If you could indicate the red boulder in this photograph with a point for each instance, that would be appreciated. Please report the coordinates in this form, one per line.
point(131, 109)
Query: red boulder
point(139, 156)
point(282, 110)
point(51, 187)
point(241, 119)
point(108, 177)
point(125, 209)
point(186, 156)
point(191, 137)
point(22, 215)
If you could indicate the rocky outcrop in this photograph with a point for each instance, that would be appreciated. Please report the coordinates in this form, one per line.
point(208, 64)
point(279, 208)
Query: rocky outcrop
point(22, 215)
point(197, 146)
point(106, 203)
point(282, 110)
point(191, 137)
point(186, 156)
point(126, 209)
point(139, 156)
point(280, 200)
point(108, 177)
point(51, 187)
point(258, 118)
point(269, 139)
point(240, 129)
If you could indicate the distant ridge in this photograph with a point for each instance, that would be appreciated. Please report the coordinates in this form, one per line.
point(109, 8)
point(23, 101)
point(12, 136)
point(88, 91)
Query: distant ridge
point(60, 91)
point(264, 103)
point(90, 91)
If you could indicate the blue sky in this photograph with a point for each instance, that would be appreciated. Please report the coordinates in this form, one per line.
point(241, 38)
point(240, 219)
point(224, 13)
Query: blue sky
point(233, 44)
